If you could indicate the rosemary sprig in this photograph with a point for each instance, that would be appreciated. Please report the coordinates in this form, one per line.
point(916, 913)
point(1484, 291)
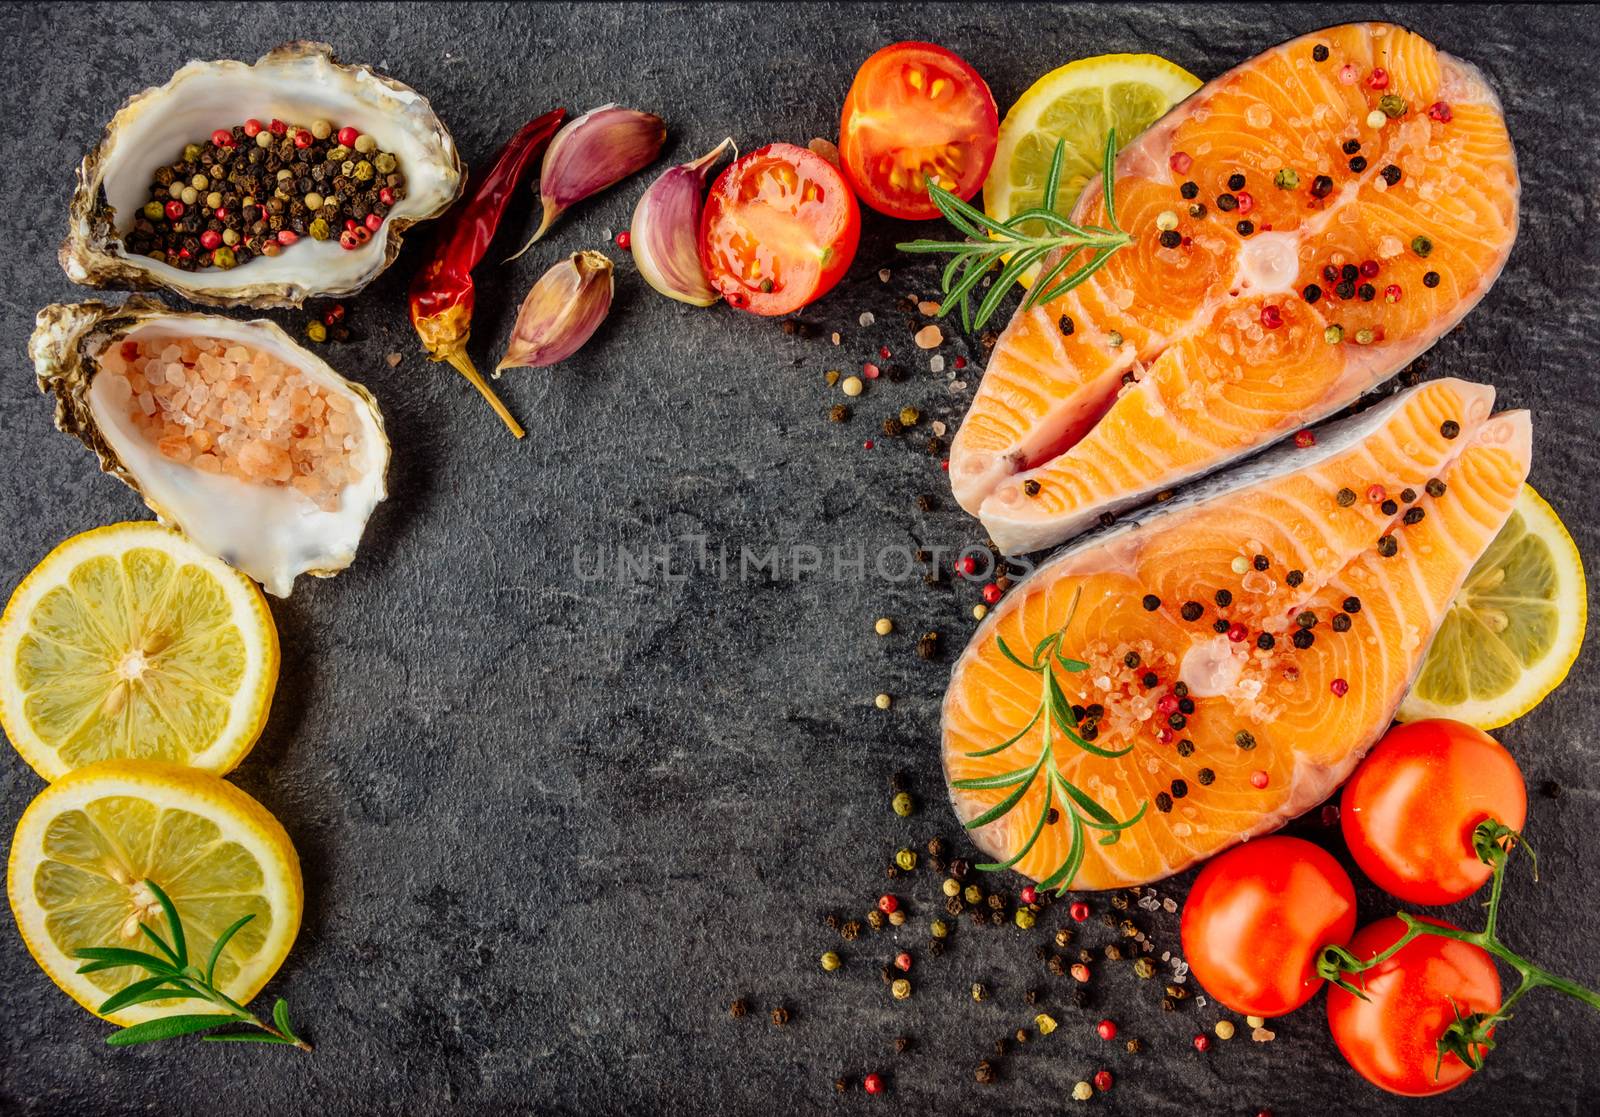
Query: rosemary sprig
point(175, 977)
point(1055, 711)
point(1469, 1038)
point(989, 240)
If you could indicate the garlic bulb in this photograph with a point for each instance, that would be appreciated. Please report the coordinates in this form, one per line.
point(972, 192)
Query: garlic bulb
point(666, 230)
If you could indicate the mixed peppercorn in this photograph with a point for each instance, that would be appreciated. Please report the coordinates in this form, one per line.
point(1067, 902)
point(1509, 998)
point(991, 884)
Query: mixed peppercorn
point(255, 189)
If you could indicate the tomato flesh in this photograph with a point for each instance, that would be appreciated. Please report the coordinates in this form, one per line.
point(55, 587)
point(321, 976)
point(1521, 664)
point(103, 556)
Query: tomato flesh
point(1391, 1038)
point(1256, 918)
point(916, 112)
point(1409, 811)
point(779, 230)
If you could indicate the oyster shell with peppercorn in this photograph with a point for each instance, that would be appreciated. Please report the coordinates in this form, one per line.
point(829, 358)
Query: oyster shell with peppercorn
point(298, 83)
point(247, 443)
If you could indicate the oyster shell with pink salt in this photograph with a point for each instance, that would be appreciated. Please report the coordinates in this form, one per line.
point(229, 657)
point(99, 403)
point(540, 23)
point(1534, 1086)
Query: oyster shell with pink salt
point(251, 445)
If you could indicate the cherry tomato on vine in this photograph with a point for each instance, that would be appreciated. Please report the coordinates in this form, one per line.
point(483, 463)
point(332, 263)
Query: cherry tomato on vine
point(916, 111)
point(1256, 919)
point(779, 230)
point(1409, 811)
point(1392, 1037)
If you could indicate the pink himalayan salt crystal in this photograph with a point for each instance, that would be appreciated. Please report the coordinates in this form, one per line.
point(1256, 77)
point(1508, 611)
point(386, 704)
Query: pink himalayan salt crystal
point(231, 410)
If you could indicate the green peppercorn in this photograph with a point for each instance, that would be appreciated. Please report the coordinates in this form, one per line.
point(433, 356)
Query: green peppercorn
point(939, 929)
point(831, 961)
point(384, 162)
point(980, 991)
point(906, 859)
point(363, 172)
point(1392, 106)
point(903, 804)
point(901, 989)
point(154, 211)
point(316, 331)
point(191, 153)
point(1024, 918)
point(951, 886)
point(224, 258)
point(319, 229)
point(973, 894)
point(1422, 246)
point(338, 154)
point(1333, 335)
point(1144, 968)
point(1286, 179)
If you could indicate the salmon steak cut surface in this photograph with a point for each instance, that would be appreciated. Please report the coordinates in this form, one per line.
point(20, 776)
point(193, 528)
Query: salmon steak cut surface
point(1182, 681)
point(1303, 227)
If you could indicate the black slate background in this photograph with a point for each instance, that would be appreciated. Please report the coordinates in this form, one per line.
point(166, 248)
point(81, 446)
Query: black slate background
point(552, 827)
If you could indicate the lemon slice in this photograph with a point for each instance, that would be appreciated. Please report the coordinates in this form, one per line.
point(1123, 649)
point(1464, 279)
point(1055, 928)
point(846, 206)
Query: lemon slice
point(1079, 102)
point(1513, 631)
point(87, 843)
point(130, 641)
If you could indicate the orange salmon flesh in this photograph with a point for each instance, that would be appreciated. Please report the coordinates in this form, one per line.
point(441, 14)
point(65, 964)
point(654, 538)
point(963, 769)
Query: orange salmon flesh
point(1230, 658)
point(1387, 159)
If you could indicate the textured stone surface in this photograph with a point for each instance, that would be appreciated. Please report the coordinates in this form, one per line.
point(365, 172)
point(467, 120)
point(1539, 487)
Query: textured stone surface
point(552, 827)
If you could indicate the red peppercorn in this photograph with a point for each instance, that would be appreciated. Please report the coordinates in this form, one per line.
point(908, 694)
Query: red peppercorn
point(303, 138)
point(1379, 78)
point(347, 240)
point(1440, 111)
point(1305, 439)
point(222, 214)
point(1369, 268)
point(361, 234)
point(1375, 493)
point(333, 315)
point(222, 137)
point(1168, 705)
point(1079, 911)
point(883, 351)
point(1392, 293)
point(902, 961)
point(1339, 687)
point(349, 222)
point(1259, 779)
point(1237, 632)
point(277, 127)
point(1030, 894)
point(1164, 735)
point(867, 445)
point(1079, 972)
point(210, 238)
point(174, 210)
point(287, 236)
point(991, 593)
point(386, 196)
point(1103, 1080)
point(873, 1083)
point(1180, 162)
point(1106, 1029)
point(966, 564)
point(252, 127)
point(961, 362)
point(348, 136)
point(1271, 316)
point(944, 464)
point(1246, 202)
point(1202, 1042)
point(870, 371)
point(888, 904)
point(374, 222)
point(624, 238)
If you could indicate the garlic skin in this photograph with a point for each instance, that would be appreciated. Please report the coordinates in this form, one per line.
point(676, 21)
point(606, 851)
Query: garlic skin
point(561, 312)
point(665, 231)
point(595, 151)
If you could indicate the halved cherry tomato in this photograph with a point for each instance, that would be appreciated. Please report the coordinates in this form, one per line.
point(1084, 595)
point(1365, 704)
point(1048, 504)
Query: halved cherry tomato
point(1409, 811)
point(916, 111)
point(1256, 918)
point(1392, 1037)
point(779, 230)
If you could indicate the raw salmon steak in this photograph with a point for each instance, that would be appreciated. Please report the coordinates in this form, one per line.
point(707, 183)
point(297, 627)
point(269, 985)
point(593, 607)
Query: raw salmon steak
point(1325, 220)
point(1165, 688)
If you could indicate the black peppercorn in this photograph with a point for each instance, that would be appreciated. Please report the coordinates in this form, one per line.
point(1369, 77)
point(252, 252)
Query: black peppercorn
point(1341, 622)
point(1245, 228)
point(1227, 203)
point(1388, 508)
point(1190, 190)
point(1303, 639)
point(1311, 293)
point(1191, 610)
point(1435, 487)
point(1185, 747)
point(1430, 279)
point(1224, 599)
point(1151, 602)
point(1358, 164)
point(1294, 578)
point(1321, 186)
point(1391, 174)
point(1205, 776)
point(1319, 53)
point(1170, 238)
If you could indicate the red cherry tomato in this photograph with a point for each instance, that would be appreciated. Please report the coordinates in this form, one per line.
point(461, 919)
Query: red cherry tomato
point(1409, 811)
point(1391, 1038)
point(916, 111)
point(1256, 919)
point(779, 230)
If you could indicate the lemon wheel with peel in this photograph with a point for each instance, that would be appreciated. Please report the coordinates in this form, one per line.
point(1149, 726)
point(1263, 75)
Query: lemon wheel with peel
point(1514, 629)
point(87, 843)
point(1079, 103)
point(130, 641)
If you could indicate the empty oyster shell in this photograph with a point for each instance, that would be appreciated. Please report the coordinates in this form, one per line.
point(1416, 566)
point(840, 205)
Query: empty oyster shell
point(298, 82)
point(270, 529)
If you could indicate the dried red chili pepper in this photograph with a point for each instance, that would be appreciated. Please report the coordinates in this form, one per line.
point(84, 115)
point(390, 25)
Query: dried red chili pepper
point(442, 293)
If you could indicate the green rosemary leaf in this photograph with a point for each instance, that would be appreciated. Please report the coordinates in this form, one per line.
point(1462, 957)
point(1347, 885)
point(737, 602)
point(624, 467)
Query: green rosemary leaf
point(1063, 877)
point(180, 949)
point(989, 783)
point(1060, 708)
point(1101, 818)
point(166, 948)
point(222, 941)
point(1009, 741)
point(1070, 664)
point(1002, 808)
point(1059, 223)
point(1095, 264)
point(1107, 166)
point(165, 1027)
point(950, 205)
point(280, 1017)
point(1006, 651)
point(246, 1037)
point(1020, 262)
point(140, 992)
point(110, 957)
point(1041, 647)
point(1042, 284)
point(1052, 178)
point(1038, 828)
point(973, 271)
